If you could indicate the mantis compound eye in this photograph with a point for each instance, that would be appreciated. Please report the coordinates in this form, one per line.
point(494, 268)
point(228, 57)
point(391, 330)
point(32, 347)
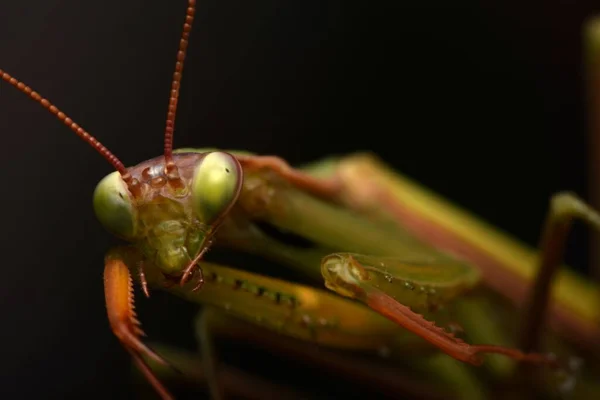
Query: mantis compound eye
point(216, 186)
point(114, 208)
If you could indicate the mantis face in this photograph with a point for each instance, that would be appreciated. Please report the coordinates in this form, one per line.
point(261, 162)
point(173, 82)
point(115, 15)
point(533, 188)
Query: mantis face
point(171, 226)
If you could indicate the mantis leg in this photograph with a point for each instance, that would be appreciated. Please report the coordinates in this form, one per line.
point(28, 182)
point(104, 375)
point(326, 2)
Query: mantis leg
point(118, 291)
point(348, 276)
point(564, 209)
point(209, 355)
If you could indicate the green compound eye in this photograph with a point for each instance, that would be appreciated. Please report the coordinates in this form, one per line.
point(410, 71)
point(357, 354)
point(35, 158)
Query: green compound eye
point(216, 186)
point(113, 206)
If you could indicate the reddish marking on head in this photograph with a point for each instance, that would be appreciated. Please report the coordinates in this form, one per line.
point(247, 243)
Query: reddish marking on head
point(170, 167)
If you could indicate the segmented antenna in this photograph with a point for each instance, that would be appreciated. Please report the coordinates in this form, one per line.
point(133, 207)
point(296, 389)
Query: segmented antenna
point(172, 110)
point(92, 141)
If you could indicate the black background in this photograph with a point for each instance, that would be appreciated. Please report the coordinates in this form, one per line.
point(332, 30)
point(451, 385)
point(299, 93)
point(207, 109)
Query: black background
point(483, 102)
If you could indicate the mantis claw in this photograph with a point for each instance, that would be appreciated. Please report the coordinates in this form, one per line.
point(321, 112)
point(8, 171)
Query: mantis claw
point(193, 267)
point(118, 290)
point(199, 281)
point(187, 276)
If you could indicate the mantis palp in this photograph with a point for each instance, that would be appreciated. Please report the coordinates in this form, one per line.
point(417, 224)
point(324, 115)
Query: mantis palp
point(231, 235)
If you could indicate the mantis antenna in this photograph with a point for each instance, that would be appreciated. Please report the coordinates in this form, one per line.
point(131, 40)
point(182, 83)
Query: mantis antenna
point(170, 167)
point(82, 133)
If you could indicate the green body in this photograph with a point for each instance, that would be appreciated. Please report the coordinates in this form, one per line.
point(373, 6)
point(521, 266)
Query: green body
point(385, 256)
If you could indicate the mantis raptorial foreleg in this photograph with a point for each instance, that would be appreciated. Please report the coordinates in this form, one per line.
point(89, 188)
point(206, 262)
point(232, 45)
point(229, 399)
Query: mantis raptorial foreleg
point(121, 315)
point(290, 309)
point(348, 276)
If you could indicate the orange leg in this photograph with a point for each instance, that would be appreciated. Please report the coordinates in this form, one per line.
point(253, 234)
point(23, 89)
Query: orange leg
point(118, 290)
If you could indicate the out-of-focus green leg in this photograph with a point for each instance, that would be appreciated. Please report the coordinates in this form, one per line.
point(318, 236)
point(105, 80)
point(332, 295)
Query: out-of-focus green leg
point(564, 209)
point(209, 352)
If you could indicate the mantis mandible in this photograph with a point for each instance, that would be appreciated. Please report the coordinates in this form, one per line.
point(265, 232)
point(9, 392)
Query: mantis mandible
point(127, 204)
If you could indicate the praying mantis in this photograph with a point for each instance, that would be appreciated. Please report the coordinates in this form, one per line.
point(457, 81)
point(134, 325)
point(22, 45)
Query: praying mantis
point(229, 233)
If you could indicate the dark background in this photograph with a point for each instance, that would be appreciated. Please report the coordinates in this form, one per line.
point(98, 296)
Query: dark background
point(484, 103)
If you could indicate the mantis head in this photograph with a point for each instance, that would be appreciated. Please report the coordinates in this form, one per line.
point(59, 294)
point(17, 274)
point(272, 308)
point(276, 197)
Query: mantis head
point(171, 225)
point(169, 207)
